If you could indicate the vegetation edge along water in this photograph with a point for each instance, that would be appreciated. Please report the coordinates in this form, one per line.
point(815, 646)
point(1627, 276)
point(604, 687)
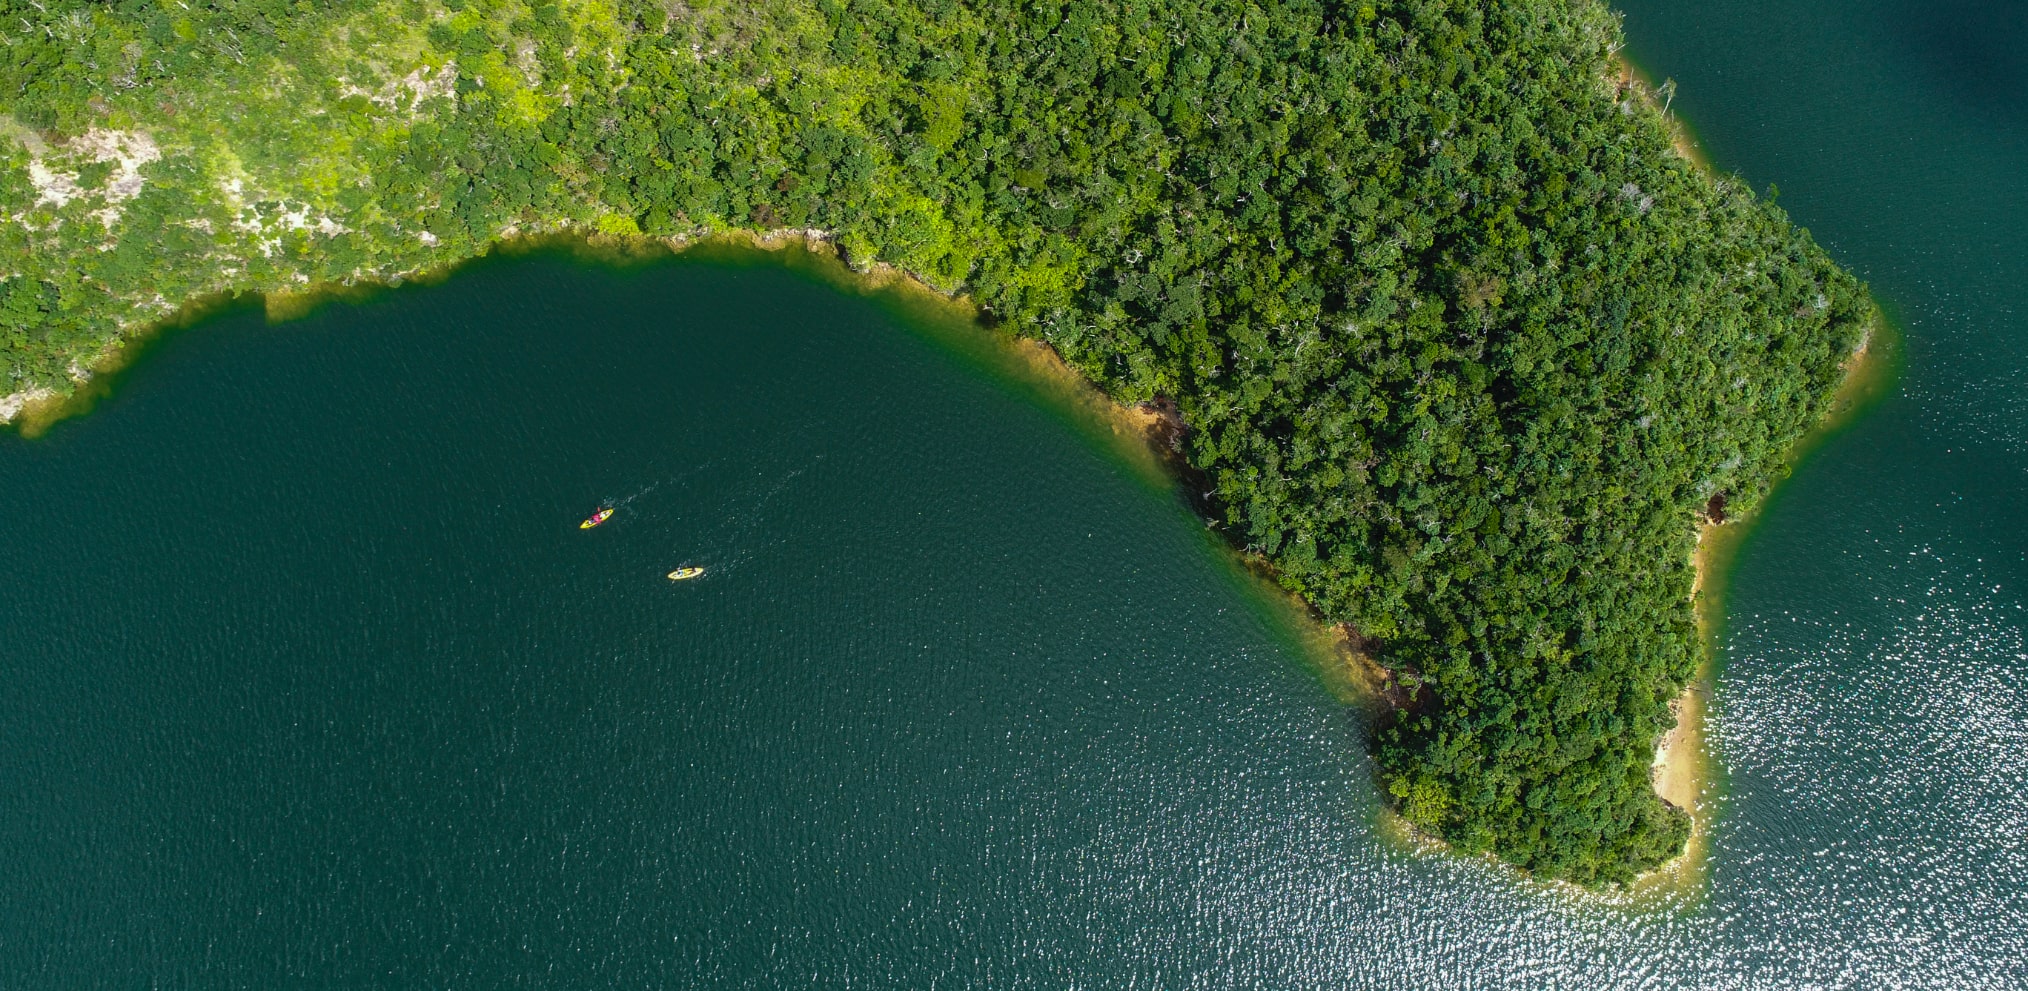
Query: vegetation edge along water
point(1464, 347)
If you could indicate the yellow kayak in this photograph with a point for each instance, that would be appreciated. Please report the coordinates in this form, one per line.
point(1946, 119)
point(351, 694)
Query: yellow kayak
point(596, 518)
point(683, 574)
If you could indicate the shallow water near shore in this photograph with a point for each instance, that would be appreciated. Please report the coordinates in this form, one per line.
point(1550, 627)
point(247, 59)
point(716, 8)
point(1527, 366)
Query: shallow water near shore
point(1869, 711)
point(316, 682)
point(313, 681)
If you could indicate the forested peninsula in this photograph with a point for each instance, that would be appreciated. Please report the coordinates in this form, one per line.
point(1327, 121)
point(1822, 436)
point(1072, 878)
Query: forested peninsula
point(1464, 348)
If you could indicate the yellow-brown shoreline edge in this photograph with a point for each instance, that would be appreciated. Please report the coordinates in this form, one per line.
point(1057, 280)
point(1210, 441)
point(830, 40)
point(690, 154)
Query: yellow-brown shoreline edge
point(1684, 766)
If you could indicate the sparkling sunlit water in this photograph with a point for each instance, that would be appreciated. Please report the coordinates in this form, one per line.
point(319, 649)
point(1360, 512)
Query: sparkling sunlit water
point(312, 682)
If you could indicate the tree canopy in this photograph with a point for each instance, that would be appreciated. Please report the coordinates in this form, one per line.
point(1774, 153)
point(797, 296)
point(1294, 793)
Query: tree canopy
point(1463, 344)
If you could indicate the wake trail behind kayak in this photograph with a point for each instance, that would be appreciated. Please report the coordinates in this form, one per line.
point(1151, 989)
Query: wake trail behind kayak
point(739, 544)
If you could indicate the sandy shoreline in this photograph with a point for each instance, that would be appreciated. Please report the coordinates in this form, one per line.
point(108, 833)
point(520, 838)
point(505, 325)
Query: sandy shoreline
point(1153, 429)
point(1680, 756)
point(1683, 760)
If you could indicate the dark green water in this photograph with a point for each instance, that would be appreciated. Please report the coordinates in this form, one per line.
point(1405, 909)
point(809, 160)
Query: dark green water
point(312, 682)
point(1873, 707)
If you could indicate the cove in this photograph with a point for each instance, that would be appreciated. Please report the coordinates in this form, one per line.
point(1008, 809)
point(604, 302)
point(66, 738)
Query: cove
point(314, 682)
point(317, 683)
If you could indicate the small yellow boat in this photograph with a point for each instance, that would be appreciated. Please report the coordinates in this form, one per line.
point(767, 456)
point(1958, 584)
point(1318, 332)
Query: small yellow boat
point(684, 574)
point(596, 518)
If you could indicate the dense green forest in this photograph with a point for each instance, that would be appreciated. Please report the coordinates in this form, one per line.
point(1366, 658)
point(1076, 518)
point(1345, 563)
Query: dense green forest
point(1463, 345)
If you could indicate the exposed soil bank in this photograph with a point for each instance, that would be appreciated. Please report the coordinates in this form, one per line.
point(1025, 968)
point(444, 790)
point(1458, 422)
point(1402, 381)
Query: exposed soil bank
point(1152, 433)
point(1685, 767)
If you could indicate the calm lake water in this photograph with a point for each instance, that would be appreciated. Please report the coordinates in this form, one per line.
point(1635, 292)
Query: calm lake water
point(313, 682)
